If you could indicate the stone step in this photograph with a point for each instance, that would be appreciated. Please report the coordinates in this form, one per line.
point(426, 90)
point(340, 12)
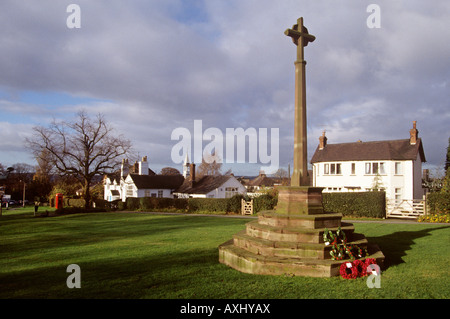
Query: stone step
point(248, 262)
point(292, 234)
point(267, 247)
point(327, 220)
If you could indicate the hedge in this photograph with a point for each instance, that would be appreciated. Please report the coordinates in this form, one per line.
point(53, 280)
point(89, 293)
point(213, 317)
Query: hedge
point(192, 205)
point(438, 202)
point(154, 203)
point(358, 204)
point(264, 202)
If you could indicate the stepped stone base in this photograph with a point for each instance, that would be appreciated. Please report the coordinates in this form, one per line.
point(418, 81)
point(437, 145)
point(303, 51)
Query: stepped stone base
point(292, 243)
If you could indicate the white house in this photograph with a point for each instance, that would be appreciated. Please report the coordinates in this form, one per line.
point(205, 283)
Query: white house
point(393, 166)
point(139, 181)
point(221, 186)
point(112, 187)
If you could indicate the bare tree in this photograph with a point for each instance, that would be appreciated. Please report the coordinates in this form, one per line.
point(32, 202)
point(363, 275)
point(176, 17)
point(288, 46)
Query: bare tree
point(82, 148)
point(44, 167)
point(211, 165)
point(281, 173)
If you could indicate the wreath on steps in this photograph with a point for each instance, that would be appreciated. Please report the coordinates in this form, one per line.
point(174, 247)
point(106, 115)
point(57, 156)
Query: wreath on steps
point(356, 268)
point(339, 248)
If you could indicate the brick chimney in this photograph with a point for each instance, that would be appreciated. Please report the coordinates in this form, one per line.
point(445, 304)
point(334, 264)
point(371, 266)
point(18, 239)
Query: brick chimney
point(135, 169)
point(322, 141)
point(192, 174)
point(414, 133)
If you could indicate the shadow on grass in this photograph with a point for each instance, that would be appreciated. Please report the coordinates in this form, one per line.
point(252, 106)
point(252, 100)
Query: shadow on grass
point(89, 234)
point(163, 275)
point(394, 246)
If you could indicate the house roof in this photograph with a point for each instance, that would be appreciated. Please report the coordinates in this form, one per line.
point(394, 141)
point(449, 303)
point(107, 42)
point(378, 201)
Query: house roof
point(204, 185)
point(113, 177)
point(263, 180)
point(157, 181)
point(368, 151)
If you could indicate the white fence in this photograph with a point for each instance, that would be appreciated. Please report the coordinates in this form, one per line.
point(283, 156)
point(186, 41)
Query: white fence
point(411, 208)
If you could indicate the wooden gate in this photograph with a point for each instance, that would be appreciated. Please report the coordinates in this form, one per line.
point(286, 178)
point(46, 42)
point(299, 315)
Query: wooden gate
point(405, 208)
point(246, 207)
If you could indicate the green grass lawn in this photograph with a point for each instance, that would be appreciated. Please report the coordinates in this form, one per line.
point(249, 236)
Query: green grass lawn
point(137, 255)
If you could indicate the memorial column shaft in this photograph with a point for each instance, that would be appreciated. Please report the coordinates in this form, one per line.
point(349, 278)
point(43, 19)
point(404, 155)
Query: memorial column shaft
point(300, 173)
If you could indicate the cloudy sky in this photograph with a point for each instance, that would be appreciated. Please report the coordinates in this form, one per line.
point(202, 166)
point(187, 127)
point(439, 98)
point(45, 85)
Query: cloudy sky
point(154, 66)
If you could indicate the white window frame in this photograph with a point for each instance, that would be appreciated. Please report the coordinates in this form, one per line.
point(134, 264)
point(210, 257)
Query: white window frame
point(374, 168)
point(333, 169)
point(398, 168)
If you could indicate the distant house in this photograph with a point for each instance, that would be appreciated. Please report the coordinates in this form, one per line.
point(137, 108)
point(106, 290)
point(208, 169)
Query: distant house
point(152, 185)
point(221, 186)
point(394, 166)
point(139, 181)
point(261, 181)
point(112, 187)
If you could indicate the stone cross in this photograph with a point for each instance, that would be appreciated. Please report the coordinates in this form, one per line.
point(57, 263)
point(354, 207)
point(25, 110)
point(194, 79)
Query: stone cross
point(301, 38)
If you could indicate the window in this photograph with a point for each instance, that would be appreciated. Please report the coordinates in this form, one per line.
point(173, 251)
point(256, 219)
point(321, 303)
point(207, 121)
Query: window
point(160, 193)
point(129, 190)
point(332, 169)
point(398, 168)
point(230, 191)
point(353, 168)
point(147, 193)
point(153, 195)
point(375, 168)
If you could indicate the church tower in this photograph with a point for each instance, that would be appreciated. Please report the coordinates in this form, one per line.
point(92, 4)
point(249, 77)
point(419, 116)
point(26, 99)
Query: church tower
point(186, 167)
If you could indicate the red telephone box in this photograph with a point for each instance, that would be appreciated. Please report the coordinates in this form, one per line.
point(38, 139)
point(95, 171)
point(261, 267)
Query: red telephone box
point(59, 201)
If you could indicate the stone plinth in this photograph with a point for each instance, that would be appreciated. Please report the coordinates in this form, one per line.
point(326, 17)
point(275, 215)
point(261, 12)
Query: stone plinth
point(289, 239)
point(299, 200)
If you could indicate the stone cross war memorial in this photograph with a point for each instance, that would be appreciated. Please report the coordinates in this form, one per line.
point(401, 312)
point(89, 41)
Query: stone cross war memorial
point(298, 237)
